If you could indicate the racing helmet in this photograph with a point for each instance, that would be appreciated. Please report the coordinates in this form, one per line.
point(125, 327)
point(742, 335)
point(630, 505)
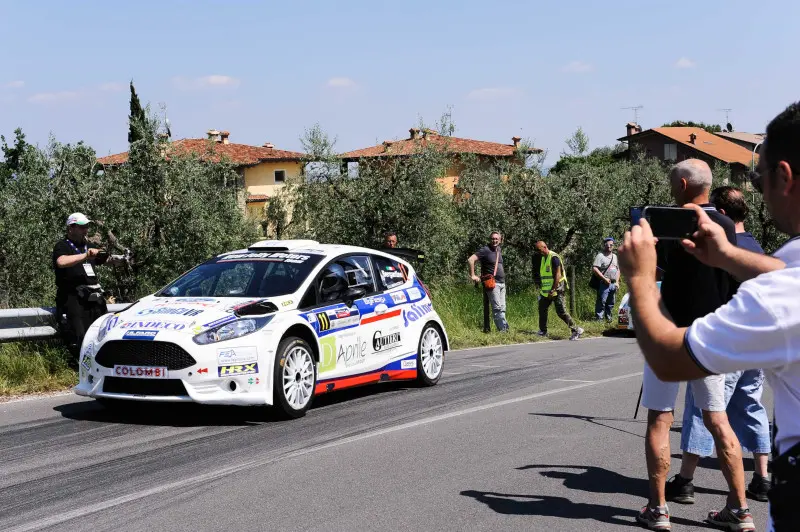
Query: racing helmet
point(334, 282)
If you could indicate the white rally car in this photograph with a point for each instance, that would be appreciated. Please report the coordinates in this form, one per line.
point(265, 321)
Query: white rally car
point(274, 324)
point(624, 316)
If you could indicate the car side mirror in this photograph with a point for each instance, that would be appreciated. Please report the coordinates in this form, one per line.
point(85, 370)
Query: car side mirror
point(353, 293)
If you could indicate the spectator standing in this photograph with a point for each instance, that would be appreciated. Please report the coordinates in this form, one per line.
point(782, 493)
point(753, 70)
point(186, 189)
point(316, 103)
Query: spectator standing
point(743, 391)
point(78, 293)
point(605, 272)
point(552, 289)
point(493, 277)
point(689, 291)
point(389, 240)
point(759, 328)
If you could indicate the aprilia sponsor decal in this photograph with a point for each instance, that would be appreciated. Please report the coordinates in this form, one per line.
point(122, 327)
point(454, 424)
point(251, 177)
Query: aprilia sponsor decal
point(352, 353)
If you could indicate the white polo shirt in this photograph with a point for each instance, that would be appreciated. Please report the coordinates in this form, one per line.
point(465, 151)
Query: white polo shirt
point(760, 328)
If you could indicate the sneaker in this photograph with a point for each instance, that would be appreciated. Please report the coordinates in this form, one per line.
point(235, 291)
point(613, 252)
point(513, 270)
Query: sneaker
point(736, 520)
point(541, 333)
point(758, 488)
point(576, 334)
point(679, 490)
point(655, 518)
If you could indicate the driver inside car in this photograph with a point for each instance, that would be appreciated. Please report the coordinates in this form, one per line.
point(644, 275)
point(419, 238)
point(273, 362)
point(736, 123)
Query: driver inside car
point(334, 283)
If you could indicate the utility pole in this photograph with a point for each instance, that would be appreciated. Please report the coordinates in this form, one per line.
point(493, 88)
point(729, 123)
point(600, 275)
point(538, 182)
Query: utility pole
point(635, 109)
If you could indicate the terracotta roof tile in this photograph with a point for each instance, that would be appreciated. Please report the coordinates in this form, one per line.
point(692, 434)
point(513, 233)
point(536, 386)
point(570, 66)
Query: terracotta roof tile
point(255, 198)
point(705, 142)
point(403, 147)
point(238, 154)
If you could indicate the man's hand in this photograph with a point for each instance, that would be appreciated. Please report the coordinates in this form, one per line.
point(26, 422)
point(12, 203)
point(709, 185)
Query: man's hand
point(553, 294)
point(637, 255)
point(92, 252)
point(709, 243)
point(476, 278)
point(607, 280)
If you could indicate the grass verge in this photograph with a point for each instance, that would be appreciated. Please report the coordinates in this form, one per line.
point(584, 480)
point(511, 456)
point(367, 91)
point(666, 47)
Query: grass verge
point(35, 367)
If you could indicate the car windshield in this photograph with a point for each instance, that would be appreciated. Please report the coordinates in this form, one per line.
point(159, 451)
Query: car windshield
point(245, 274)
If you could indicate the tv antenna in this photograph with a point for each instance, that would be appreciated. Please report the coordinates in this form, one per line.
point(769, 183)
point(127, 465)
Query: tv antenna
point(635, 109)
point(727, 112)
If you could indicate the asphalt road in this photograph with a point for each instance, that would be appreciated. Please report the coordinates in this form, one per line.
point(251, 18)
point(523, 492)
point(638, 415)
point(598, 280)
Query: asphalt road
point(532, 437)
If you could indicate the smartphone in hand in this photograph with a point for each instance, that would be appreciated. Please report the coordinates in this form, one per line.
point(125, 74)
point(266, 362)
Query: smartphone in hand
point(671, 223)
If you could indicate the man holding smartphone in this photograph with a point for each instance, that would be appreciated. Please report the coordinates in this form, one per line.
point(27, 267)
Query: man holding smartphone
point(689, 291)
point(78, 293)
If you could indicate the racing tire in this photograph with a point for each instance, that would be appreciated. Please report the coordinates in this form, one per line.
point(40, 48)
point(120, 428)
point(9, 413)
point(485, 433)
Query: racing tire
point(430, 355)
point(295, 376)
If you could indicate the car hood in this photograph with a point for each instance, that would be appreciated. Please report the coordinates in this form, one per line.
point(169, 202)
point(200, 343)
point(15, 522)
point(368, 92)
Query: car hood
point(175, 315)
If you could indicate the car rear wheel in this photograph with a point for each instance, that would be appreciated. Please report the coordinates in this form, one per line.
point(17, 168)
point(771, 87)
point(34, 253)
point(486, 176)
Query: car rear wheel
point(295, 377)
point(430, 355)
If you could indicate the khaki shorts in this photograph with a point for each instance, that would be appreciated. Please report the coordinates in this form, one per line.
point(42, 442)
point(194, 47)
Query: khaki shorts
point(709, 393)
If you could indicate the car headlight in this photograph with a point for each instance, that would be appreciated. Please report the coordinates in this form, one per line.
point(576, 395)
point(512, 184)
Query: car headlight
point(231, 330)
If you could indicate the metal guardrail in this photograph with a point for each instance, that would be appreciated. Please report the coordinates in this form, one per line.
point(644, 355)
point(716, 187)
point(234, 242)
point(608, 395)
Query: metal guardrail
point(21, 324)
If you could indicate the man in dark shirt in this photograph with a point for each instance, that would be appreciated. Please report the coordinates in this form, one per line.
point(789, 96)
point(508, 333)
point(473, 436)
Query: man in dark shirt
point(78, 294)
point(691, 290)
point(491, 259)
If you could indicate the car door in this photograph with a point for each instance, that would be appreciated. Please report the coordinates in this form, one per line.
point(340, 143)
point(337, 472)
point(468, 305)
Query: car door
point(389, 338)
point(345, 344)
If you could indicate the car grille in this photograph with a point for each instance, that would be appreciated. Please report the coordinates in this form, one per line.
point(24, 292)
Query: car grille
point(144, 386)
point(143, 353)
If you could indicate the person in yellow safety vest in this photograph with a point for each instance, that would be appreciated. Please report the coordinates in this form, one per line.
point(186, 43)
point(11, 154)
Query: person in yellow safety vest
point(552, 287)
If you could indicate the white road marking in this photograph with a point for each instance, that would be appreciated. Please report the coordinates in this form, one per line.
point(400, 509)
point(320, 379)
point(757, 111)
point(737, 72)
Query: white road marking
point(570, 380)
point(214, 475)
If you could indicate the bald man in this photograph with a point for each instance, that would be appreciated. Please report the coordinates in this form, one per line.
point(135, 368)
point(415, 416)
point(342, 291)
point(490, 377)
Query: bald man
point(691, 290)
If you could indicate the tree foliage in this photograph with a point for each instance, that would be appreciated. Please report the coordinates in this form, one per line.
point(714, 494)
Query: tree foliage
point(711, 128)
point(137, 119)
point(172, 214)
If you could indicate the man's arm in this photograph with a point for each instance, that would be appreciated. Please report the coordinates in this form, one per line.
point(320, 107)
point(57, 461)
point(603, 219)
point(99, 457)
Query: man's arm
point(472, 260)
point(67, 261)
point(710, 246)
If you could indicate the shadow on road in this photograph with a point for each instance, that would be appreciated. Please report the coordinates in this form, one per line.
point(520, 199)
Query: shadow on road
point(600, 480)
point(595, 421)
point(197, 415)
point(549, 506)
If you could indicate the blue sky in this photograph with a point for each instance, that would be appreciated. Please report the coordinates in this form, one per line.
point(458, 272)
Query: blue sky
point(368, 71)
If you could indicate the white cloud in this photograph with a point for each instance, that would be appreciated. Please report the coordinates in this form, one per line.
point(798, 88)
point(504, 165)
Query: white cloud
point(341, 83)
point(205, 82)
point(577, 67)
point(53, 97)
point(493, 93)
point(112, 86)
point(18, 84)
point(685, 62)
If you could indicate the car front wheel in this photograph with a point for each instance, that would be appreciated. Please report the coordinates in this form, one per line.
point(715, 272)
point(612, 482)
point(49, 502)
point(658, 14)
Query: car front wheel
point(295, 377)
point(430, 356)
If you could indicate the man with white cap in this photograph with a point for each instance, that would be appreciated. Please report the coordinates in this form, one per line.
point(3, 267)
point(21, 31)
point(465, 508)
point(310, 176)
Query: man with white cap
point(78, 293)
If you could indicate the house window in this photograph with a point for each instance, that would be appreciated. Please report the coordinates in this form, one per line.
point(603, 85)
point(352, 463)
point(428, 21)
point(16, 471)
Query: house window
point(670, 152)
point(280, 176)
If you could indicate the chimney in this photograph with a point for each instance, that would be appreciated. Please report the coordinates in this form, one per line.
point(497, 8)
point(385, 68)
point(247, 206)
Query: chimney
point(516, 140)
point(413, 133)
point(268, 145)
point(224, 137)
point(213, 134)
point(692, 138)
point(386, 145)
point(632, 128)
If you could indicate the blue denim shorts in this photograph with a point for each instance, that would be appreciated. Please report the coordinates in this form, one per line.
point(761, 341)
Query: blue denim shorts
point(746, 414)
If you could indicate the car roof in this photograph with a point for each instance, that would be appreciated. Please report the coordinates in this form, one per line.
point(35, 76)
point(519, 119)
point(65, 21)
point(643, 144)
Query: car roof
point(311, 247)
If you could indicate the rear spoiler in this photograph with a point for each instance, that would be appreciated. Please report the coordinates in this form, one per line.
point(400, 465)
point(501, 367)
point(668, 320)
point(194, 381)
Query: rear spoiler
point(406, 253)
